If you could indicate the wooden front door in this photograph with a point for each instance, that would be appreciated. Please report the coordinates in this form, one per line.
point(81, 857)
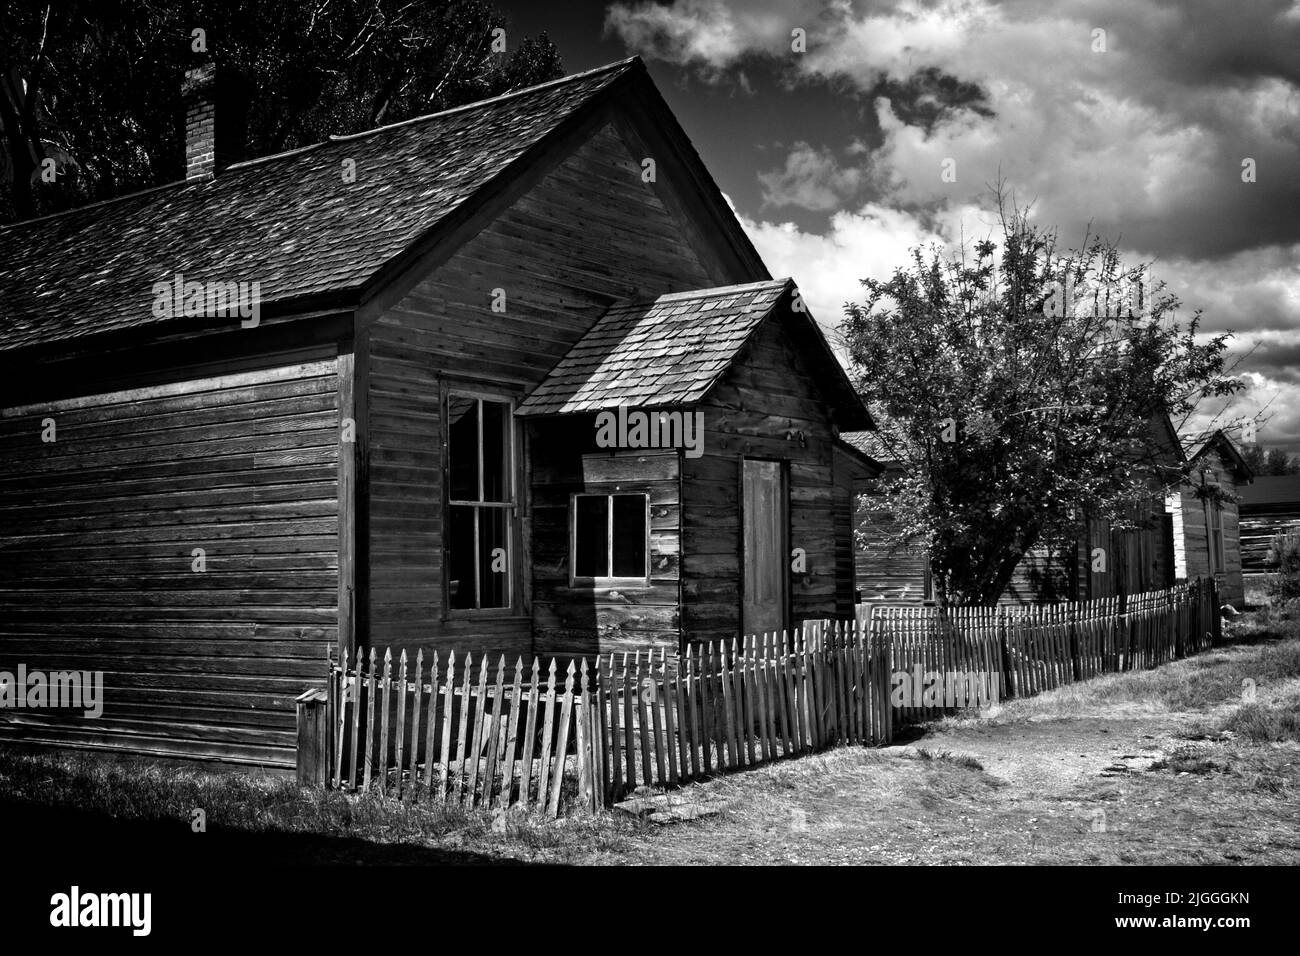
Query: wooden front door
point(764, 507)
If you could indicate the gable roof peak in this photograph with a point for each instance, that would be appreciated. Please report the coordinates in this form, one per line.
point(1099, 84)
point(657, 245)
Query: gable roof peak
point(700, 295)
point(1220, 440)
point(615, 68)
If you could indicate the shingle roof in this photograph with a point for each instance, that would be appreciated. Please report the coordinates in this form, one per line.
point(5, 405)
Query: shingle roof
point(666, 352)
point(289, 221)
point(873, 466)
point(869, 444)
point(1270, 490)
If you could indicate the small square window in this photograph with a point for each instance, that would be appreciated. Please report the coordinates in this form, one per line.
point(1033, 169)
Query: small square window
point(610, 538)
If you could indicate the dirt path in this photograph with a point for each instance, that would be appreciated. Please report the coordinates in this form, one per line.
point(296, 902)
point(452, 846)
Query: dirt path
point(1045, 756)
point(1101, 786)
point(1173, 765)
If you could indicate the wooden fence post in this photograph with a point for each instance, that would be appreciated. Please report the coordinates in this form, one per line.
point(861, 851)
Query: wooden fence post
point(314, 729)
point(336, 696)
point(1004, 647)
point(1130, 633)
point(1216, 619)
point(887, 680)
point(582, 737)
point(1076, 663)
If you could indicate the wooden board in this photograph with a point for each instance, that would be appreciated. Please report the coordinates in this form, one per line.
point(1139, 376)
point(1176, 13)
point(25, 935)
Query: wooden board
point(98, 530)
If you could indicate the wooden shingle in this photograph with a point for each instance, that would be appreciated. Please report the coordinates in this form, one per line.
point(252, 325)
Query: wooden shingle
point(291, 222)
point(669, 351)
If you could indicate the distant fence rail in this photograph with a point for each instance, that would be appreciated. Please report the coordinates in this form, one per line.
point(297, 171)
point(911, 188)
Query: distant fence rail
point(1025, 649)
point(491, 734)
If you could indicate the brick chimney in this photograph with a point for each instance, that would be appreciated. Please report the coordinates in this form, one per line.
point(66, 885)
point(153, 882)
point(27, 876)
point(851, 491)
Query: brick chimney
point(211, 146)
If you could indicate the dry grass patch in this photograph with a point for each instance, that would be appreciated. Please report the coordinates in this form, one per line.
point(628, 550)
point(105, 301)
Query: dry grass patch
point(141, 792)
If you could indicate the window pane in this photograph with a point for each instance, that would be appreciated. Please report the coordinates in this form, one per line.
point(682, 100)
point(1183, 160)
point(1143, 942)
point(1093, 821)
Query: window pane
point(496, 451)
point(462, 438)
point(590, 538)
point(629, 536)
point(460, 557)
point(494, 557)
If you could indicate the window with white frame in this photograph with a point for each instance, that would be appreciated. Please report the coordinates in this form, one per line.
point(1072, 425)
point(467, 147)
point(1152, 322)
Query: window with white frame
point(479, 531)
point(610, 539)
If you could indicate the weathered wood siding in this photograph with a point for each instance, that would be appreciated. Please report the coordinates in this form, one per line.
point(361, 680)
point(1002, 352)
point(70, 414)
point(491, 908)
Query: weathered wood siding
point(1103, 563)
point(850, 479)
point(1191, 543)
point(1138, 560)
point(578, 620)
point(1270, 506)
point(1133, 561)
point(97, 534)
point(885, 574)
point(1044, 575)
point(1257, 532)
point(768, 406)
point(588, 233)
point(1141, 560)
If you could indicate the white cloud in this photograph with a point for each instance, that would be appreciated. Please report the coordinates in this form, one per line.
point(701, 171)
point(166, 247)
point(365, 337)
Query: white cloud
point(870, 243)
point(811, 179)
point(1277, 403)
point(1130, 139)
point(707, 33)
point(1253, 293)
point(1143, 143)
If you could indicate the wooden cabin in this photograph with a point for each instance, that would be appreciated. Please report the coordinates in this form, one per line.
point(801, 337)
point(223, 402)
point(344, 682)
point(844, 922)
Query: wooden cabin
point(1268, 506)
point(1204, 513)
point(1132, 561)
point(396, 438)
point(1136, 560)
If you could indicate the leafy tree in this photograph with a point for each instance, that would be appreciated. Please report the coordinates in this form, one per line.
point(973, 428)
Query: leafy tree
point(1017, 384)
point(96, 86)
point(1270, 461)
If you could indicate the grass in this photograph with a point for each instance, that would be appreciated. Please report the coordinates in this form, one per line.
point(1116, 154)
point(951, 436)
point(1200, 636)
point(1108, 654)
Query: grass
point(1265, 724)
point(1189, 758)
point(1176, 762)
point(309, 821)
point(957, 760)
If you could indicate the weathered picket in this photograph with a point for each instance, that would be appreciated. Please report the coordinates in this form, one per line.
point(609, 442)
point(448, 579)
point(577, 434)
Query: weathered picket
point(488, 734)
point(484, 734)
point(1022, 650)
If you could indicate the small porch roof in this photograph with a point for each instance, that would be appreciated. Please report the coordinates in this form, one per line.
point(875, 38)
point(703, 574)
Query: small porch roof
point(671, 351)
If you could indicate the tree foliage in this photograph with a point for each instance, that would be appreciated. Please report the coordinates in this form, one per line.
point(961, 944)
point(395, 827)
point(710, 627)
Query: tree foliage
point(1270, 461)
point(1019, 385)
point(96, 86)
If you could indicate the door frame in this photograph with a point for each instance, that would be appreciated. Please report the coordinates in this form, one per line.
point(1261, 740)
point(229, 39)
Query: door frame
point(784, 556)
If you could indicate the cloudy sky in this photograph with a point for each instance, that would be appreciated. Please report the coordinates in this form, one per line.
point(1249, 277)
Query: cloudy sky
point(1135, 116)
